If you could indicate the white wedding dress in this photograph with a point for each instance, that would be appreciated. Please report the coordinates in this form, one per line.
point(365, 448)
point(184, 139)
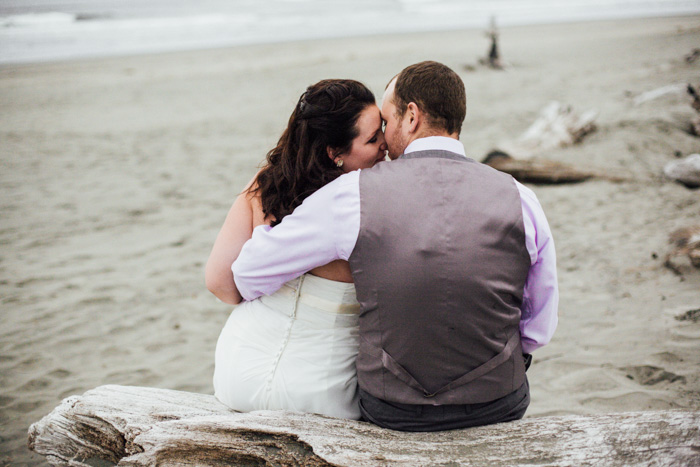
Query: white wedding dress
point(293, 350)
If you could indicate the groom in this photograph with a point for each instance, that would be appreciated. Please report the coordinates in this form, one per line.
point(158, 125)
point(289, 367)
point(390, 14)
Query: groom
point(453, 263)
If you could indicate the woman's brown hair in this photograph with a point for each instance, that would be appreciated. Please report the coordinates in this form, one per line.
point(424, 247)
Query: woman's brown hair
point(325, 117)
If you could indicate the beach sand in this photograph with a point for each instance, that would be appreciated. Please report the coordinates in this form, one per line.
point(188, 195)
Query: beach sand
point(117, 174)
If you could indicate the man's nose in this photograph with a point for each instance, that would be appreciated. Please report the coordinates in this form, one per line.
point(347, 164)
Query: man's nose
point(383, 146)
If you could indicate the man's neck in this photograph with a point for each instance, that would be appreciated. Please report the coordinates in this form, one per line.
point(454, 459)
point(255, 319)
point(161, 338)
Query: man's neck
point(446, 143)
point(428, 132)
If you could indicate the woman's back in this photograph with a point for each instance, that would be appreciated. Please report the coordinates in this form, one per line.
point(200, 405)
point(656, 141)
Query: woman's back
point(296, 348)
point(292, 350)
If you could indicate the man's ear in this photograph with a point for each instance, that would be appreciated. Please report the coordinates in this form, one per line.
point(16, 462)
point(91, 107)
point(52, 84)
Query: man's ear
point(414, 117)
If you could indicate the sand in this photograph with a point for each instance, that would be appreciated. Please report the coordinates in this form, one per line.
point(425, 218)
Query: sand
point(117, 174)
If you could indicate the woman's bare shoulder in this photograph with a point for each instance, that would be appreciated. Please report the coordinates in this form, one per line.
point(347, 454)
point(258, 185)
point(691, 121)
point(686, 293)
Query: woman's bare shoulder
point(252, 197)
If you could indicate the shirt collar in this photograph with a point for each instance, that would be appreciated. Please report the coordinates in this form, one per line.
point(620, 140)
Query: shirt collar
point(436, 142)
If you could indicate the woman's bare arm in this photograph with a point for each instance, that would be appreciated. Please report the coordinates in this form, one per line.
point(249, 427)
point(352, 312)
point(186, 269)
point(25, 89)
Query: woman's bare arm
point(237, 229)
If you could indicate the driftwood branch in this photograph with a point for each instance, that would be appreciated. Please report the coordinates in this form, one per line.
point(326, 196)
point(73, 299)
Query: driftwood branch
point(145, 426)
point(659, 92)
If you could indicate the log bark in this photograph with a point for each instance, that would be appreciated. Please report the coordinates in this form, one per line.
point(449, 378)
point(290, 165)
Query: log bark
point(134, 426)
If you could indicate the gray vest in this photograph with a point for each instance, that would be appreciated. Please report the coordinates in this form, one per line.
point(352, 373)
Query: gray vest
point(439, 267)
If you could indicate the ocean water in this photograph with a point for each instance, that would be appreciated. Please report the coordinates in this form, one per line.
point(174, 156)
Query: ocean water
point(50, 30)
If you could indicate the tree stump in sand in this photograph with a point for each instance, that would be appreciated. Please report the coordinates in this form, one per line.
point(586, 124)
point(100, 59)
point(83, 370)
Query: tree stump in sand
point(493, 58)
point(144, 426)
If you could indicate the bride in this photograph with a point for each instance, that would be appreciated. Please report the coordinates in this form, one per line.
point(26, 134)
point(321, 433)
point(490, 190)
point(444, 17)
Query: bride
point(296, 349)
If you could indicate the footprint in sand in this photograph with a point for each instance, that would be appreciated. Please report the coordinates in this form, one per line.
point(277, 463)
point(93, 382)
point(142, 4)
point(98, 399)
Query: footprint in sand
point(60, 373)
point(668, 357)
point(648, 375)
point(6, 400)
point(35, 384)
point(690, 315)
point(629, 401)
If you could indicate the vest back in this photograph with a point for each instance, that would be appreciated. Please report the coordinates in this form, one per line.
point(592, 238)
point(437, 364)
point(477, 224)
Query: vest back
point(439, 266)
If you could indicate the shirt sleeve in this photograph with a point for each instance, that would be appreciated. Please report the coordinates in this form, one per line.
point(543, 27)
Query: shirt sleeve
point(322, 229)
point(541, 295)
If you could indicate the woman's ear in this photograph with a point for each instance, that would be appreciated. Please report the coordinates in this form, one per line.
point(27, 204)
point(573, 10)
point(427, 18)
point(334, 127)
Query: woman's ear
point(331, 153)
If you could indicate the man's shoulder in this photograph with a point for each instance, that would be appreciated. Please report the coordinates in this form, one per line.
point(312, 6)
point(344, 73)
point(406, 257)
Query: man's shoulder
point(526, 193)
point(343, 183)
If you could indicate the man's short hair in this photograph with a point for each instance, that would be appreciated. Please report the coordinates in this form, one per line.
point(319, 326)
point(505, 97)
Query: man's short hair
point(436, 90)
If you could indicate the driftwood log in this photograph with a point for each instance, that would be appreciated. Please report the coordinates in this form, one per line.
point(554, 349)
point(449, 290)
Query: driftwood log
point(543, 171)
point(144, 426)
point(557, 126)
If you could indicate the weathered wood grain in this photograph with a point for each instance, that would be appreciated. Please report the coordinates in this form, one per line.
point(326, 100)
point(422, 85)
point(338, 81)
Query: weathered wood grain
point(135, 426)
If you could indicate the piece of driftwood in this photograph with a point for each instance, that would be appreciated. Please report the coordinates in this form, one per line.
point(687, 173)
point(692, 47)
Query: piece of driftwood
point(659, 92)
point(134, 426)
point(685, 171)
point(543, 171)
point(695, 104)
point(685, 242)
point(557, 126)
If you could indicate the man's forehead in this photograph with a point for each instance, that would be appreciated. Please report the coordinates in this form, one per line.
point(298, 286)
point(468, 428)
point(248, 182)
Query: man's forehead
point(390, 88)
point(389, 92)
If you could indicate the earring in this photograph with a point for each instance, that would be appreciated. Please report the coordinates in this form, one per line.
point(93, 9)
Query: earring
point(339, 162)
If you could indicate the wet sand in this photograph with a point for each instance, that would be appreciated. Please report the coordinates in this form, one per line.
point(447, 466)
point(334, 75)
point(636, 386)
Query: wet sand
point(117, 174)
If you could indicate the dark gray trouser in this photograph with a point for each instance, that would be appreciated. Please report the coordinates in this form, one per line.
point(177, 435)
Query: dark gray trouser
point(406, 417)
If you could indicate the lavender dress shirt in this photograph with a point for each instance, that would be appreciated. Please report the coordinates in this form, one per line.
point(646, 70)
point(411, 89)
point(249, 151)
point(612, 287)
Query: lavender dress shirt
point(326, 225)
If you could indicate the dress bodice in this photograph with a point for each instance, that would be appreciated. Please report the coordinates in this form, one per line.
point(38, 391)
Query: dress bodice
point(317, 293)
